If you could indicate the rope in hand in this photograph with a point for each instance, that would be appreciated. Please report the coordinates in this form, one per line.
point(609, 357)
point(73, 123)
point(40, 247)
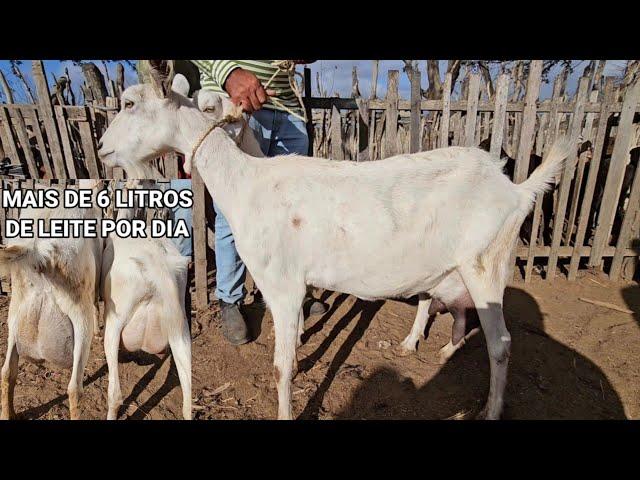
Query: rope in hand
point(288, 66)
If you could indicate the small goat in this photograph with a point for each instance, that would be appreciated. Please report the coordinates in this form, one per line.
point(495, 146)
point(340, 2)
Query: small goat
point(299, 221)
point(54, 302)
point(143, 285)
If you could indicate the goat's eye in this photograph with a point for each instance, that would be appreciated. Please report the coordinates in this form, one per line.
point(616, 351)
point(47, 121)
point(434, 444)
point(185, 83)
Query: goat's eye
point(210, 109)
point(128, 104)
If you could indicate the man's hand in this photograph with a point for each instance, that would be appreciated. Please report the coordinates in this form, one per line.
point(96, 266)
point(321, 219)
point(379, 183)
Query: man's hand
point(245, 90)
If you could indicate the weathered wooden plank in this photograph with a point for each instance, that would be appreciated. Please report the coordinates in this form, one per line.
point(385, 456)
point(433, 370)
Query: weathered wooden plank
point(391, 134)
point(89, 149)
point(8, 141)
point(21, 130)
point(363, 131)
point(415, 130)
point(199, 240)
point(472, 110)
point(575, 197)
point(459, 105)
point(565, 182)
point(499, 114)
point(23, 136)
point(617, 166)
point(524, 129)
point(626, 231)
point(444, 119)
point(66, 141)
point(42, 147)
point(527, 132)
point(337, 148)
point(567, 251)
point(46, 112)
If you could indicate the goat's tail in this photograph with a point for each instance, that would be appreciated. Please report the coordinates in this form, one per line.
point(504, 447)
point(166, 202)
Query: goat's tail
point(544, 176)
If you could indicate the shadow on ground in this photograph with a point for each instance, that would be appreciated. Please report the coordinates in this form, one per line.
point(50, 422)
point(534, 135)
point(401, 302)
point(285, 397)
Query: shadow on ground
point(546, 379)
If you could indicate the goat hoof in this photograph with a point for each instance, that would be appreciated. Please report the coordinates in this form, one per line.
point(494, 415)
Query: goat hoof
point(406, 348)
point(484, 415)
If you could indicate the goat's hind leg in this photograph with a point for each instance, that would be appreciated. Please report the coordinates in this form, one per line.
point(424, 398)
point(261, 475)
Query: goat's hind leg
point(9, 376)
point(82, 335)
point(180, 343)
point(112, 334)
point(487, 293)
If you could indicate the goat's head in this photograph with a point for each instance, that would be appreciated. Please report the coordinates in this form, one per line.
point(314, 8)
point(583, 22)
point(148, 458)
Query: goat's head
point(155, 119)
point(149, 123)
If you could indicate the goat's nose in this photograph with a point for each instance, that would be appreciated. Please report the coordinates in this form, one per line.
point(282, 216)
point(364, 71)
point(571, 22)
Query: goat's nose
point(99, 144)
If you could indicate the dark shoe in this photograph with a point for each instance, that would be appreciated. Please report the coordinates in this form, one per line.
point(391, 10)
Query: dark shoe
point(316, 307)
point(234, 328)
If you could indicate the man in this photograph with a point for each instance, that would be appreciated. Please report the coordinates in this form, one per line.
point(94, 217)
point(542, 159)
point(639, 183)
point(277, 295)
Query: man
point(278, 132)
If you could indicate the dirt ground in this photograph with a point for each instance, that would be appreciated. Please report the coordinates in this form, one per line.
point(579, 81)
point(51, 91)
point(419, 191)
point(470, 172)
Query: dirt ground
point(150, 385)
point(570, 360)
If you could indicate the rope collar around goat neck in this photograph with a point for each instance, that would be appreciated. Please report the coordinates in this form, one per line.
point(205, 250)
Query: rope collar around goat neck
point(221, 123)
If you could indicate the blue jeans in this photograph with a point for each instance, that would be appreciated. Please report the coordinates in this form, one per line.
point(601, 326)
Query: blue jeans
point(278, 133)
point(184, 244)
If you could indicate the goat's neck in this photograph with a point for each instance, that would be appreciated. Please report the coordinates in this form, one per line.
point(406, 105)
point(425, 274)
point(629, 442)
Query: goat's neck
point(226, 170)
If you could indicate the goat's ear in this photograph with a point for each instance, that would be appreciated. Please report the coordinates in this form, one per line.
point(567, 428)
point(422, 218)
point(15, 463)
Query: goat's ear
point(161, 76)
point(229, 109)
point(180, 85)
point(187, 163)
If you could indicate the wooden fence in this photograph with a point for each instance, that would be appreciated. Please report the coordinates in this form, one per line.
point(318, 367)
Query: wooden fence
point(595, 218)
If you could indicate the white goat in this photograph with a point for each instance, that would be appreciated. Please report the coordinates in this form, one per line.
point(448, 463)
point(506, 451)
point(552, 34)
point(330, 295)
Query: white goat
point(392, 228)
point(144, 281)
point(54, 298)
point(217, 106)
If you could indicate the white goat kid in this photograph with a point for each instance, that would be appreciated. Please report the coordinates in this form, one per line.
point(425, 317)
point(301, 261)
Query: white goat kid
point(144, 281)
point(299, 221)
point(54, 301)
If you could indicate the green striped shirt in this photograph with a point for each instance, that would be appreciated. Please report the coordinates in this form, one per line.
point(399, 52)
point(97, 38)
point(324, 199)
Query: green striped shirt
point(213, 74)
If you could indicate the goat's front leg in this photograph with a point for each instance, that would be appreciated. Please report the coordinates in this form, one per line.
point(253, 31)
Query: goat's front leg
point(112, 333)
point(9, 376)
point(410, 344)
point(82, 335)
point(180, 343)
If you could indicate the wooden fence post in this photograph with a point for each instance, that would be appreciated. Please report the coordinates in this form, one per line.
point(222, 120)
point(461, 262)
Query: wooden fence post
point(337, 148)
point(527, 124)
point(565, 183)
point(446, 112)
point(199, 239)
point(416, 97)
point(499, 115)
point(613, 185)
point(391, 136)
point(626, 231)
point(46, 111)
point(472, 110)
point(21, 130)
point(592, 177)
